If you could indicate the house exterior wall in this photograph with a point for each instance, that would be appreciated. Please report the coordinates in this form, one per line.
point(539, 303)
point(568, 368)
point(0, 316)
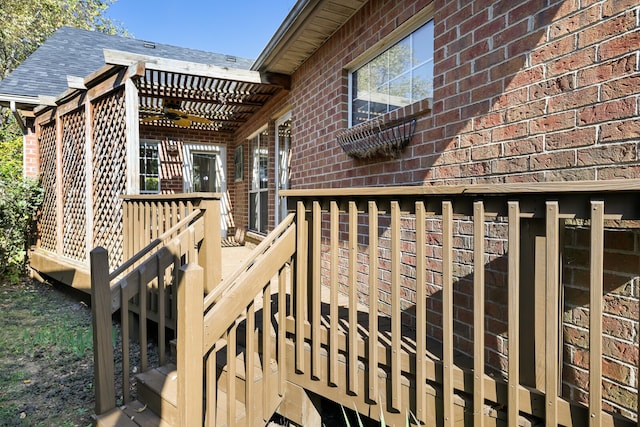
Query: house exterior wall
point(171, 151)
point(31, 153)
point(523, 91)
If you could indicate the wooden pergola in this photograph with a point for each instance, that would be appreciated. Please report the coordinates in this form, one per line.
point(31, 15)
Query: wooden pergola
point(225, 96)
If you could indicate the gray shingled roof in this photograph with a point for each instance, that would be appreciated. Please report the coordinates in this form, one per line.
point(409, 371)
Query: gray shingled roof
point(77, 52)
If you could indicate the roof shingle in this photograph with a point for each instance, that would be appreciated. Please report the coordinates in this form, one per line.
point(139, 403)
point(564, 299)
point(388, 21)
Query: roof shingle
point(77, 52)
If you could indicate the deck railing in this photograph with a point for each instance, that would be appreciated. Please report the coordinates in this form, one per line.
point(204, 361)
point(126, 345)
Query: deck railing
point(454, 302)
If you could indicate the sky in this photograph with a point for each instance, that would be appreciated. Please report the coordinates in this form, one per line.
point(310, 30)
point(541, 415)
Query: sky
point(234, 27)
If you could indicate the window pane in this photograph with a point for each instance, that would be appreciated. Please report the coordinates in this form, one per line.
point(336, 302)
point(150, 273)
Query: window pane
point(400, 58)
point(379, 71)
point(401, 75)
point(423, 44)
point(399, 92)
point(422, 85)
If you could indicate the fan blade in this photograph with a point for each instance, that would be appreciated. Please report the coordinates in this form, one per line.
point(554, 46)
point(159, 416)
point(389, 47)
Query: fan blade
point(199, 119)
point(182, 122)
point(175, 112)
point(151, 119)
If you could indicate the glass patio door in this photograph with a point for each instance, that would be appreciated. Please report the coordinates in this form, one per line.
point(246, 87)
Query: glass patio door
point(204, 173)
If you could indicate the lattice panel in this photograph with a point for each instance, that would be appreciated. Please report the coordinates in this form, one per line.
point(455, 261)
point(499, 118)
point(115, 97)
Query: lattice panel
point(109, 173)
point(48, 217)
point(74, 189)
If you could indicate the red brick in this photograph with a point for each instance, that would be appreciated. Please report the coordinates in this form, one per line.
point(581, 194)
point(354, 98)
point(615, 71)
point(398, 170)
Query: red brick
point(609, 154)
point(486, 152)
point(620, 88)
point(522, 112)
point(607, 29)
point(607, 111)
point(574, 23)
point(523, 146)
point(573, 99)
point(619, 46)
point(612, 7)
point(552, 87)
point(574, 61)
point(608, 70)
point(578, 137)
point(556, 160)
point(512, 131)
point(620, 131)
point(551, 123)
point(554, 50)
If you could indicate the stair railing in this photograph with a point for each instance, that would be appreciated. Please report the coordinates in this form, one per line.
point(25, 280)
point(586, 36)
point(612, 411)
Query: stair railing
point(150, 273)
point(209, 329)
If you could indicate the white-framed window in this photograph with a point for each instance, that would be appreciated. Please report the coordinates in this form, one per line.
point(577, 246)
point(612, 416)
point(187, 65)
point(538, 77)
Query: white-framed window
point(149, 167)
point(259, 187)
point(398, 76)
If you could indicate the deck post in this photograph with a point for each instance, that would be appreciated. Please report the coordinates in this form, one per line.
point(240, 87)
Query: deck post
point(190, 343)
point(104, 380)
point(210, 256)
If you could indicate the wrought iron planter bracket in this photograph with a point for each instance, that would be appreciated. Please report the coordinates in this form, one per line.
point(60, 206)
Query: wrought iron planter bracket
point(377, 138)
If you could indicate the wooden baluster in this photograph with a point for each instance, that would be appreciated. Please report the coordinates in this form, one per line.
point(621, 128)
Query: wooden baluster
point(552, 322)
point(316, 326)
point(284, 276)
point(190, 342)
point(396, 313)
point(301, 284)
point(478, 314)
point(373, 302)
point(421, 314)
point(267, 351)
point(104, 377)
point(126, 353)
point(595, 314)
point(514, 314)
point(231, 374)
point(447, 313)
point(334, 223)
point(142, 320)
point(212, 388)
point(353, 298)
point(249, 361)
point(161, 311)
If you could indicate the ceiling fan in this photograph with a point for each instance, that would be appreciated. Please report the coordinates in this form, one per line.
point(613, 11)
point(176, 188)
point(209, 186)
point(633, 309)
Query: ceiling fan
point(171, 111)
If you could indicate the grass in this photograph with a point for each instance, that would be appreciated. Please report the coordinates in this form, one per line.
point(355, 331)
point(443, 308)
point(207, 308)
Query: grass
point(46, 359)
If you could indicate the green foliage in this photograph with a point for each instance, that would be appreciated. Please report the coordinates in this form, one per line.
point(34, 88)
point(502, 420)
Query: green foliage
point(27, 24)
point(19, 203)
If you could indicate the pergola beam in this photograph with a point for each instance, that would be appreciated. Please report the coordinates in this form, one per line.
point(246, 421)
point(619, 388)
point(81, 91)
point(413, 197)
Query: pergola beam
point(115, 57)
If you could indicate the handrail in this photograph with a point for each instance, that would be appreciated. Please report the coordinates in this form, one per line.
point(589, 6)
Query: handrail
point(471, 189)
point(260, 250)
point(144, 251)
point(240, 293)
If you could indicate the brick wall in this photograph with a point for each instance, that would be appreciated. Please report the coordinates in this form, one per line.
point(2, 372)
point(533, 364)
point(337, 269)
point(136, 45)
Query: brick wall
point(31, 153)
point(523, 91)
point(171, 143)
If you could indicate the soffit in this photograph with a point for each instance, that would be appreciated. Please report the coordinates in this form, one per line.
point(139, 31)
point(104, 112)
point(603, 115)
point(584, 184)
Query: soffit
point(308, 26)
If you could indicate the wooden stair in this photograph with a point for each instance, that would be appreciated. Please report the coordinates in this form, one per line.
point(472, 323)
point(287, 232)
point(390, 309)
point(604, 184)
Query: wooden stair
point(157, 397)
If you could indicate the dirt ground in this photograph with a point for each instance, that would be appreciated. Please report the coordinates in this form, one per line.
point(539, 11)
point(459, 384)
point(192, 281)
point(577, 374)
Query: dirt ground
point(46, 359)
point(46, 362)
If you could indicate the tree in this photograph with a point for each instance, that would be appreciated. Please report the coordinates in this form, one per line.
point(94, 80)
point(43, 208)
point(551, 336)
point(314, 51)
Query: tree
point(26, 24)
